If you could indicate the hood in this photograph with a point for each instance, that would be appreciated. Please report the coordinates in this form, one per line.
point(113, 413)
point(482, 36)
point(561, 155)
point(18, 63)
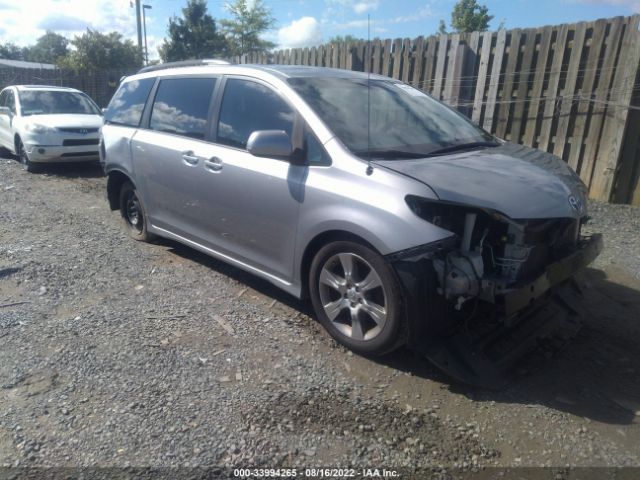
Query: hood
point(518, 181)
point(69, 120)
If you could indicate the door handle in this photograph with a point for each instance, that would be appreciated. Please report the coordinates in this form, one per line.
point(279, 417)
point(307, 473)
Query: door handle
point(189, 158)
point(213, 164)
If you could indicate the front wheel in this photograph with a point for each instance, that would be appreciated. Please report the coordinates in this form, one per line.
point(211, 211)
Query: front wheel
point(27, 164)
point(357, 298)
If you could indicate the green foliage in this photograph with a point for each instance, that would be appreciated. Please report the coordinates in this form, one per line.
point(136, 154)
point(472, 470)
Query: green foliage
point(49, 48)
point(96, 51)
point(10, 51)
point(345, 39)
point(468, 16)
point(247, 23)
point(195, 35)
point(442, 28)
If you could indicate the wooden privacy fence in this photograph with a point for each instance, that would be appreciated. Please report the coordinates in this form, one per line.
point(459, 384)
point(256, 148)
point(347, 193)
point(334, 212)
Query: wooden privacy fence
point(568, 89)
point(99, 85)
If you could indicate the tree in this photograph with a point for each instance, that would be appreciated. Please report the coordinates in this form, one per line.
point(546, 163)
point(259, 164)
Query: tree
point(10, 51)
point(468, 16)
point(247, 23)
point(442, 28)
point(345, 39)
point(97, 51)
point(49, 48)
point(195, 35)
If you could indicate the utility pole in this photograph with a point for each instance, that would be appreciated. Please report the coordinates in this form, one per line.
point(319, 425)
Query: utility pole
point(139, 24)
point(144, 27)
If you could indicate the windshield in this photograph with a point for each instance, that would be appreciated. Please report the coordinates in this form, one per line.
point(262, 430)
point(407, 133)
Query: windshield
point(405, 122)
point(43, 102)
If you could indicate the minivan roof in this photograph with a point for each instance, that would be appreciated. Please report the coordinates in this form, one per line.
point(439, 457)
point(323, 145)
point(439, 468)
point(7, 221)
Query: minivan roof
point(281, 71)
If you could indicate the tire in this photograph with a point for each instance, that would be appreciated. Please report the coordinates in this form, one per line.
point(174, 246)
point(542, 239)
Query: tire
point(362, 310)
point(27, 164)
point(133, 213)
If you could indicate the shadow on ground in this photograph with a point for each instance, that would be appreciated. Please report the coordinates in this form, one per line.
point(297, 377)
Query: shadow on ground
point(73, 170)
point(63, 170)
point(594, 376)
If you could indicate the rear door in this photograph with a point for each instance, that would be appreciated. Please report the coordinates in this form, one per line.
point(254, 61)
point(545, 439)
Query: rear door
point(169, 153)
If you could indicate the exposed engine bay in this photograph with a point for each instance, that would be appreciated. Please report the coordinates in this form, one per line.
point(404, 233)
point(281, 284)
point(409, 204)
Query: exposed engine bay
point(511, 280)
point(495, 254)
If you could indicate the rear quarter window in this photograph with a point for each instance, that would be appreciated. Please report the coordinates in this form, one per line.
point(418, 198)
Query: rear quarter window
point(127, 104)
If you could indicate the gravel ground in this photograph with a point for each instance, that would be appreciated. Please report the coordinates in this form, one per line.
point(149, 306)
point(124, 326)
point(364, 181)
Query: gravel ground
point(621, 226)
point(130, 354)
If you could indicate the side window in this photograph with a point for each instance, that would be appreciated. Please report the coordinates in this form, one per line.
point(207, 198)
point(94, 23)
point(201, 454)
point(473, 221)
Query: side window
point(181, 106)
point(3, 97)
point(249, 106)
point(316, 155)
point(126, 106)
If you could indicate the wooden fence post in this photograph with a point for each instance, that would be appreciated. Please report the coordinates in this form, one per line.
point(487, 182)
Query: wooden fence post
point(617, 113)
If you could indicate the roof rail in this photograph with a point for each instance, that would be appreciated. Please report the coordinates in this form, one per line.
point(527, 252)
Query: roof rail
point(185, 63)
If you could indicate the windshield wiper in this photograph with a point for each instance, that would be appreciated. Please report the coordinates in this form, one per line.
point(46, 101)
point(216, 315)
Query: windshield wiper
point(461, 146)
point(389, 154)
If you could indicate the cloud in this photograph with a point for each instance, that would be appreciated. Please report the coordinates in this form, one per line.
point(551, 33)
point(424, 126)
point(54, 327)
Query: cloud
point(61, 22)
point(352, 24)
point(24, 21)
point(377, 24)
point(303, 32)
point(365, 6)
point(424, 12)
point(153, 43)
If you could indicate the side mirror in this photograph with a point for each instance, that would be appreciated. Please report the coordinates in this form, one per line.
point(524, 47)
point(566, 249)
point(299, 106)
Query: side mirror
point(5, 111)
point(270, 143)
point(103, 110)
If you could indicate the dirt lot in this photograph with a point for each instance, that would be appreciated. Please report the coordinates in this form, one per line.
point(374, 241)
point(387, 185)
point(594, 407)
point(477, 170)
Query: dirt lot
point(117, 353)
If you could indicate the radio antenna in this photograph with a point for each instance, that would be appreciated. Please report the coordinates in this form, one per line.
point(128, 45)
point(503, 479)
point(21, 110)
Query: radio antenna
point(368, 60)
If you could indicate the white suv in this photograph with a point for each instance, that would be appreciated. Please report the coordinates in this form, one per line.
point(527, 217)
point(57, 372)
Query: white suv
point(43, 124)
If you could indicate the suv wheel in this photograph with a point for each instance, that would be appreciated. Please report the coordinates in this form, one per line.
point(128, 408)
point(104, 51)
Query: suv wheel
point(133, 213)
point(357, 298)
point(27, 164)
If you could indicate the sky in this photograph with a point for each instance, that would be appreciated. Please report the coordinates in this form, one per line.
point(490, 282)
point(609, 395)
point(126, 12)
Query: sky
point(299, 23)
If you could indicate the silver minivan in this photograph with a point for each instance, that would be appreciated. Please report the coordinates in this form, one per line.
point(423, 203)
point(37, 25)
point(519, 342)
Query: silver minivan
point(401, 221)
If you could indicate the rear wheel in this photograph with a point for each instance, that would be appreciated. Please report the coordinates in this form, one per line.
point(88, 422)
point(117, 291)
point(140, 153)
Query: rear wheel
point(357, 298)
point(27, 164)
point(133, 213)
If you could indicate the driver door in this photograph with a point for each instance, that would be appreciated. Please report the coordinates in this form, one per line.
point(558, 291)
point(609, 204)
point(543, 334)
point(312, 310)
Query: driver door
point(252, 202)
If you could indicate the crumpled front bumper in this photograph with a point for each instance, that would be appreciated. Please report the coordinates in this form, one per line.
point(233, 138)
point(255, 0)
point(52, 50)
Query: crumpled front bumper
point(556, 273)
point(547, 306)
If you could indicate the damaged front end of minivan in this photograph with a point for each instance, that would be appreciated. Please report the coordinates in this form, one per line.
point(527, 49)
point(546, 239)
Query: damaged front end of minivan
point(485, 295)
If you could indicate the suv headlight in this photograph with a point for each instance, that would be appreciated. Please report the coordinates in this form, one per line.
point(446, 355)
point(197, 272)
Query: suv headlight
point(39, 129)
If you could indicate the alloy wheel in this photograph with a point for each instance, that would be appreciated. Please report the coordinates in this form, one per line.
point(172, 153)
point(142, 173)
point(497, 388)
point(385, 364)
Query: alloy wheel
point(353, 296)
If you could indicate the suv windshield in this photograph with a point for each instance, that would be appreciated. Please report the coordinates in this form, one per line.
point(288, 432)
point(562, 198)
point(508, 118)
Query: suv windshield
point(43, 102)
point(405, 122)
